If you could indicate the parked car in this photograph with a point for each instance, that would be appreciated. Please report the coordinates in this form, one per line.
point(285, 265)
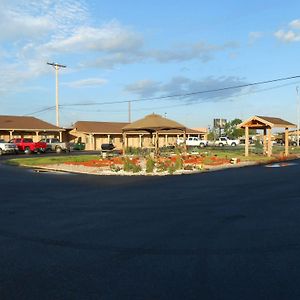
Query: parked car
point(28, 145)
point(223, 141)
point(243, 140)
point(77, 146)
point(7, 147)
point(281, 141)
point(54, 144)
point(193, 142)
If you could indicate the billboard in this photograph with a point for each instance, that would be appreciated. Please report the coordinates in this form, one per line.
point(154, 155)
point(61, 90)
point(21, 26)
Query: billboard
point(220, 123)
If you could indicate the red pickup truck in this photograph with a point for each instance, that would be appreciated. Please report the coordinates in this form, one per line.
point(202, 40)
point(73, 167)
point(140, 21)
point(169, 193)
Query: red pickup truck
point(28, 146)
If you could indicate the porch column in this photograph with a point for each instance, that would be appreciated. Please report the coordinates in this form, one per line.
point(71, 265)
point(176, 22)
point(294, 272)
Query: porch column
point(94, 142)
point(60, 136)
point(156, 143)
point(286, 142)
point(108, 138)
point(140, 141)
point(246, 141)
point(166, 140)
point(265, 142)
point(184, 141)
point(124, 142)
point(37, 136)
point(11, 134)
point(269, 142)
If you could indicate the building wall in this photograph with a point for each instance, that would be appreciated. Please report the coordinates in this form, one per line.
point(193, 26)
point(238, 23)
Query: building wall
point(135, 140)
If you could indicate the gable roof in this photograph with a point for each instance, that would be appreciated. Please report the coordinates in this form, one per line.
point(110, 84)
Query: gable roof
point(152, 123)
point(26, 123)
point(100, 127)
point(260, 122)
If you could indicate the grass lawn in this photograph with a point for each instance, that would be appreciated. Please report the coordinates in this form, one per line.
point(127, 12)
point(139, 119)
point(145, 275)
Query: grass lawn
point(50, 160)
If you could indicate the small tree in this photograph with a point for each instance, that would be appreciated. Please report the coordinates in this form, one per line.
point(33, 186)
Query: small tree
point(231, 129)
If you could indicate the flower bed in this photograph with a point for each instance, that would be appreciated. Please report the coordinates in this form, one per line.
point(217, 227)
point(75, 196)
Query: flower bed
point(159, 164)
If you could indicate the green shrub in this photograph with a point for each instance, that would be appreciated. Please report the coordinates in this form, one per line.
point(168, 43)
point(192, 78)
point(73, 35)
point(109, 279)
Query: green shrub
point(115, 168)
point(171, 169)
point(150, 164)
point(129, 166)
point(136, 168)
point(178, 163)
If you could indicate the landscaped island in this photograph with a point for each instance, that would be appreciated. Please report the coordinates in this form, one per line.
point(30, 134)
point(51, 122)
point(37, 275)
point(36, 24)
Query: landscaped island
point(148, 164)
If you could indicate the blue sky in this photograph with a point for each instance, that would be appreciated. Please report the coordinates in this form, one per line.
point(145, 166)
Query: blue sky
point(122, 50)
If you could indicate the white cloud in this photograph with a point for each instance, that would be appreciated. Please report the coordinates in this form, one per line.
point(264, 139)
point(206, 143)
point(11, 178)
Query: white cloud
point(36, 31)
point(107, 38)
point(89, 82)
point(295, 24)
point(289, 35)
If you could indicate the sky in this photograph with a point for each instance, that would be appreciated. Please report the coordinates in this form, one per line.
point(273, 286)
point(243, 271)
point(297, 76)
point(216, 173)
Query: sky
point(120, 51)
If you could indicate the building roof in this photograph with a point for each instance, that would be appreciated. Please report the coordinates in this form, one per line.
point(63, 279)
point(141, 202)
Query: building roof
point(26, 123)
point(153, 123)
point(261, 122)
point(96, 127)
point(100, 127)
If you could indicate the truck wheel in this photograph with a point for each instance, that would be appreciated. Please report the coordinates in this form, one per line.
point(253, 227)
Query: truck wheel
point(221, 145)
point(202, 145)
point(58, 150)
point(1, 152)
point(27, 150)
point(233, 144)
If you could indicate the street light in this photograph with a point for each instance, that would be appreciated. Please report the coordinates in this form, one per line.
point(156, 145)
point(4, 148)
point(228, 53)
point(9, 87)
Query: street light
point(56, 67)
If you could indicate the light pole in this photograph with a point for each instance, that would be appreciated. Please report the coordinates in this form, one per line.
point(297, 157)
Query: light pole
point(56, 67)
point(298, 112)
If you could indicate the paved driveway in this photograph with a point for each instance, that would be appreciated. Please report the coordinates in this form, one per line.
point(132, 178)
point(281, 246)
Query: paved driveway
point(233, 234)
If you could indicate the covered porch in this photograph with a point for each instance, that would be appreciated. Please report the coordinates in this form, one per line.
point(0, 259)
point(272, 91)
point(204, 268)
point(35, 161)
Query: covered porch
point(266, 124)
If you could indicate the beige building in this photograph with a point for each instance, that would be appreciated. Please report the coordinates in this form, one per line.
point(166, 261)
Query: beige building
point(96, 133)
point(28, 127)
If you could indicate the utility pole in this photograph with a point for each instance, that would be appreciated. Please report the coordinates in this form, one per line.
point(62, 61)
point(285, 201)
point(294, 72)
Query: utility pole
point(56, 67)
point(129, 111)
point(298, 112)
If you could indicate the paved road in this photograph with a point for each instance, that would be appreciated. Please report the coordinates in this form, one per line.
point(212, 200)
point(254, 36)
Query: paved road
point(232, 234)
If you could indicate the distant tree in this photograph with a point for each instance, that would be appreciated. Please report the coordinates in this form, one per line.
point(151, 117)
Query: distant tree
point(231, 129)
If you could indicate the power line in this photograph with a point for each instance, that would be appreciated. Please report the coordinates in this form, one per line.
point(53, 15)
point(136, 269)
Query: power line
point(178, 95)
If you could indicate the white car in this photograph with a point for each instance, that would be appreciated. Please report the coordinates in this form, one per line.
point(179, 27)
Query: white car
point(193, 142)
point(7, 147)
point(225, 141)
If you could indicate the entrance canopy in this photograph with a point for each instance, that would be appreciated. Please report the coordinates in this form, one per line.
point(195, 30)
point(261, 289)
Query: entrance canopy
point(266, 124)
point(153, 124)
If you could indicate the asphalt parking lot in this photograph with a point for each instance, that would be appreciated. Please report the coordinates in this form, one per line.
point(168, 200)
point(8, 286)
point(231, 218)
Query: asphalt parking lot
point(232, 234)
